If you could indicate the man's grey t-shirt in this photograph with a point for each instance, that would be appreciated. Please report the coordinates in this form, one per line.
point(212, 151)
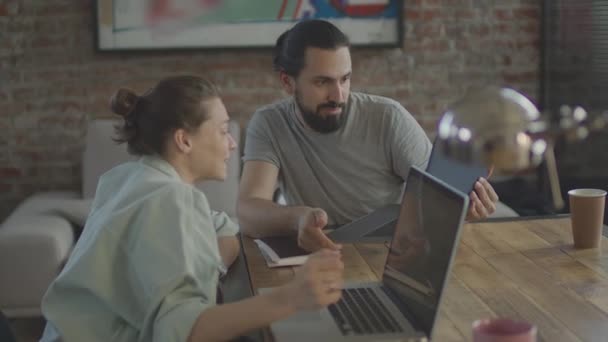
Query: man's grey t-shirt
point(348, 173)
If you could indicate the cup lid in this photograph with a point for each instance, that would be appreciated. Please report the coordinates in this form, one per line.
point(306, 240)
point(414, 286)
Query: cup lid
point(587, 192)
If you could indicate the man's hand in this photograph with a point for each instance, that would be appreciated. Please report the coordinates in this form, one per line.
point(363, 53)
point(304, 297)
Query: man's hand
point(483, 200)
point(310, 231)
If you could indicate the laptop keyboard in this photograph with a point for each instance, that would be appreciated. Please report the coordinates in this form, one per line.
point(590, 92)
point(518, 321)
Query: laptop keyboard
point(360, 312)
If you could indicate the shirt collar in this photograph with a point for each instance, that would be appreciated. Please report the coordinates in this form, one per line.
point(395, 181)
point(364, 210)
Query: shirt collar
point(160, 164)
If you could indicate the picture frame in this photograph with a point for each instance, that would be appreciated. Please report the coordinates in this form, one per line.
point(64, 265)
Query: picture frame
point(200, 24)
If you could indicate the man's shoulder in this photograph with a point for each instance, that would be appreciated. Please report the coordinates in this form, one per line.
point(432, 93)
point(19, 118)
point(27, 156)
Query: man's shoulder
point(383, 107)
point(280, 107)
point(272, 118)
point(366, 101)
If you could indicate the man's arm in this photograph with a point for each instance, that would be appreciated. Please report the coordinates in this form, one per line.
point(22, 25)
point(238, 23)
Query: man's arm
point(258, 215)
point(229, 249)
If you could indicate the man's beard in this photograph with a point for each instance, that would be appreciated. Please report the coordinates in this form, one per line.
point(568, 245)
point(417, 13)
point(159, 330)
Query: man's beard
point(316, 121)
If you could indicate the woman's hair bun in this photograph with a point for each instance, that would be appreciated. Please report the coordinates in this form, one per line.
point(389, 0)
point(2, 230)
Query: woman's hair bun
point(123, 101)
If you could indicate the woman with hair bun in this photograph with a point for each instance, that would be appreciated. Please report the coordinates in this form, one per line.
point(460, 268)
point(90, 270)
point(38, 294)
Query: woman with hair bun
point(147, 265)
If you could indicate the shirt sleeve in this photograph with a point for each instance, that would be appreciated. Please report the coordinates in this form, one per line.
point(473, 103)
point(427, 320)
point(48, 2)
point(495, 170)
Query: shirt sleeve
point(175, 262)
point(224, 226)
point(408, 143)
point(259, 142)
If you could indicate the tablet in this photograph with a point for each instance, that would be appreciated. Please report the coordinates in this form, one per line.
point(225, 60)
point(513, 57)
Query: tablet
point(377, 226)
point(459, 175)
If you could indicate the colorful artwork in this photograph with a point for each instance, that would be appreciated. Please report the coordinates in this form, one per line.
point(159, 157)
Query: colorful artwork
point(151, 24)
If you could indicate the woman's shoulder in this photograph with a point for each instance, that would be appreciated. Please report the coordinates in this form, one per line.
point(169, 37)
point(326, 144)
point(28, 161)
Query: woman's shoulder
point(136, 187)
point(186, 197)
point(178, 192)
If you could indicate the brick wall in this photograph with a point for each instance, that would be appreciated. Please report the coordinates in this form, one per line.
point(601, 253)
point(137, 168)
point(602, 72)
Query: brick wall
point(52, 81)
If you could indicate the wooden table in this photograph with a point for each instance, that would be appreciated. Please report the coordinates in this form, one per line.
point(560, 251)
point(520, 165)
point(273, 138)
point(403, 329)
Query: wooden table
point(523, 269)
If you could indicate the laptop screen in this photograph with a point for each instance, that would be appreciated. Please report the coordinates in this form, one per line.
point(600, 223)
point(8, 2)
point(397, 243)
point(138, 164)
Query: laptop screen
point(423, 244)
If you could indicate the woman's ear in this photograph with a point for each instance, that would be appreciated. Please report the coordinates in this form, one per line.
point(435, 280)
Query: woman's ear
point(287, 82)
point(182, 140)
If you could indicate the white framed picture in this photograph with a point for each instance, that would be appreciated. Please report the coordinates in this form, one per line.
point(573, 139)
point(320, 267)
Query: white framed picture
point(174, 24)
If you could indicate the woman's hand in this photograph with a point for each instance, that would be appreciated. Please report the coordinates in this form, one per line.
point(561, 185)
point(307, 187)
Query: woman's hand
point(318, 283)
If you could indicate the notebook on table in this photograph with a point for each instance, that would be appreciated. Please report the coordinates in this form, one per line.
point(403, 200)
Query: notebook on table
point(405, 303)
point(281, 251)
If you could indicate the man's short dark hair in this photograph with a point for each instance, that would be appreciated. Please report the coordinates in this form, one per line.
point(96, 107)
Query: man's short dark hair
point(290, 49)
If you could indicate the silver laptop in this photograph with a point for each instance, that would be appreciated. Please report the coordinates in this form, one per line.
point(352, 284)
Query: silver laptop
point(405, 303)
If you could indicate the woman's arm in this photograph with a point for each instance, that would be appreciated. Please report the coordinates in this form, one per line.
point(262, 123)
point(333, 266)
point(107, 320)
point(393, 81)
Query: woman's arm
point(227, 321)
point(316, 284)
point(229, 249)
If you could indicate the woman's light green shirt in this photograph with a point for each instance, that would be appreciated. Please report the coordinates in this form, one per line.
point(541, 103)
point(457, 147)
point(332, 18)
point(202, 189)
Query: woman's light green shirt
point(146, 265)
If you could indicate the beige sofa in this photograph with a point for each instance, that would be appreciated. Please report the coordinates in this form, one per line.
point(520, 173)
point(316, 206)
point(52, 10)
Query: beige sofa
point(36, 239)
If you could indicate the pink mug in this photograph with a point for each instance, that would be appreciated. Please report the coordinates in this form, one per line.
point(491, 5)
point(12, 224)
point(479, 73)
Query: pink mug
point(503, 330)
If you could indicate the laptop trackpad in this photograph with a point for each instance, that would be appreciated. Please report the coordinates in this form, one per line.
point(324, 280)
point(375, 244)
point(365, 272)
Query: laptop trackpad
point(306, 326)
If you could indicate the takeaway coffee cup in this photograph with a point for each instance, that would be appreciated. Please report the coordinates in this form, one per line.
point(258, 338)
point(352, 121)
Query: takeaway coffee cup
point(587, 216)
point(503, 330)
